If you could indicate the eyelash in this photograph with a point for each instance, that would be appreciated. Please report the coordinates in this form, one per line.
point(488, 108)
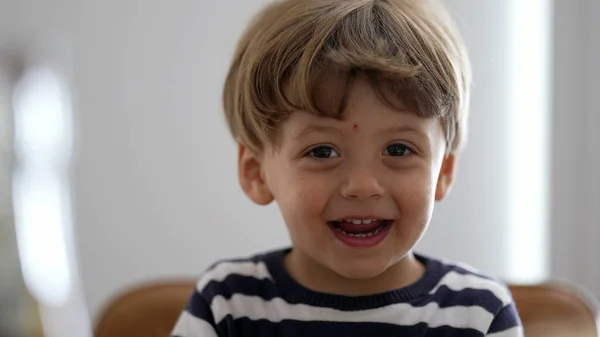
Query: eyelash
point(312, 150)
point(407, 151)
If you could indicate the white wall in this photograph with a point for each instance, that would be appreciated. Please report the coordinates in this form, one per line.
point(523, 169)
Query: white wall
point(576, 164)
point(157, 186)
point(157, 194)
point(474, 218)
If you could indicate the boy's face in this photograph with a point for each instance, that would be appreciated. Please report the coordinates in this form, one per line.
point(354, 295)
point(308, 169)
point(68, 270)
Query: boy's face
point(356, 194)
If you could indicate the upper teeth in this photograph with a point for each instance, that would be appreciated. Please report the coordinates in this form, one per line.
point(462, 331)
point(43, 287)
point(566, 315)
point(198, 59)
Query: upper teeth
point(358, 222)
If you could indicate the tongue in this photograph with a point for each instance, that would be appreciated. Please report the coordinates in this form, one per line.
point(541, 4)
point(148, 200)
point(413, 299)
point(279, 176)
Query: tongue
point(357, 228)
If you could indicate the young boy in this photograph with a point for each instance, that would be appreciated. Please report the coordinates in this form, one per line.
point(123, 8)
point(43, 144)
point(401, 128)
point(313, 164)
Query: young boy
point(350, 114)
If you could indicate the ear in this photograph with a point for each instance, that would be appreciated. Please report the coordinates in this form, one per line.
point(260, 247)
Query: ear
point(250, 175)
point(446, 176)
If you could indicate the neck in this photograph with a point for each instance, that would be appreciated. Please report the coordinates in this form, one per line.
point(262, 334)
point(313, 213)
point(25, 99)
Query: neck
point(314, 276)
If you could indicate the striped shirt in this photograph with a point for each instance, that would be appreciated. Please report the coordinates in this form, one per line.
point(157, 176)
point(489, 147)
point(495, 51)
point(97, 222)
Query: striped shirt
point(257, 297)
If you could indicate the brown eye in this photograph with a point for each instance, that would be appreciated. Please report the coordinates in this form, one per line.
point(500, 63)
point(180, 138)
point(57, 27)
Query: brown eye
point(397, 150)
point(323, 152)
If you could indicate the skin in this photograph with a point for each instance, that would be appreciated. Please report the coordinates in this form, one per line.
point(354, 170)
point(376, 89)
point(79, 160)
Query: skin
point(376, 162)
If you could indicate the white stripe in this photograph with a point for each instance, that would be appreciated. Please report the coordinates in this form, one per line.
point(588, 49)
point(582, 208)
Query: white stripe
point(191, 326)
point(457, 282)
point(514, 332)
point(222, 270)
point(276, 310)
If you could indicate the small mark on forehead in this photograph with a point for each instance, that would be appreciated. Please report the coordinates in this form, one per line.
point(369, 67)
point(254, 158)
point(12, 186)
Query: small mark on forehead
point(355, 127)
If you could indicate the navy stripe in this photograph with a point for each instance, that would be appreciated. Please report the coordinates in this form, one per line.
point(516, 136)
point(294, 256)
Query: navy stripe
point(292, 328)
point(239, 284)
point(267, 290)
point(448, 331)
point(463, 271)
point(255, 258)
point(507, 318)
point(446, 297)
point(449, 266)
point(198, 307)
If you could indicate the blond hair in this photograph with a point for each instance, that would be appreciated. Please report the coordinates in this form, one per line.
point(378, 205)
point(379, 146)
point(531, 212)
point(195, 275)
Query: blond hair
point(409, 50)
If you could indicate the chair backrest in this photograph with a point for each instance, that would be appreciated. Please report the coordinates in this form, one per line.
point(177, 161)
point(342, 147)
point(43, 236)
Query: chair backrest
point(557, 309)
point(548, 310)
point(145, 311)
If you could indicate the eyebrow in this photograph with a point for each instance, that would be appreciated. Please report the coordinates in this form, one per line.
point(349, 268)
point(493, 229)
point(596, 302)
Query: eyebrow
point(328, 129)
point(403, 128)
point(316, 129)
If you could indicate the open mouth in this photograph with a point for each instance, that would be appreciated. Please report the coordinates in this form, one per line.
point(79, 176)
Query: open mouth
point(362, 229)
point(360, 233)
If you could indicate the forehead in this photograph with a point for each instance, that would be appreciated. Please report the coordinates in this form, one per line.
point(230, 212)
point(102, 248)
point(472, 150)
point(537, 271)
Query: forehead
point(364, 106)
point(365, 120)
point(333, 92)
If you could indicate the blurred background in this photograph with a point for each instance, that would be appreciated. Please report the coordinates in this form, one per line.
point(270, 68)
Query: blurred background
point(116, 167)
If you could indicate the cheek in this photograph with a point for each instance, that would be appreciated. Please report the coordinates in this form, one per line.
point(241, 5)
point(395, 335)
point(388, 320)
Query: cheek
point(302, 196)
point(415, 194)
point(310, 197)
point(302, 209)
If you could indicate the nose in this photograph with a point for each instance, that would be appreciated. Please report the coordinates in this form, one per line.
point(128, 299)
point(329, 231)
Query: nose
point(362, 184)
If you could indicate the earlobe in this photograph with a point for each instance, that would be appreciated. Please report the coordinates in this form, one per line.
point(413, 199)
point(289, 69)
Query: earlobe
point(446, 177)
point(250, 176)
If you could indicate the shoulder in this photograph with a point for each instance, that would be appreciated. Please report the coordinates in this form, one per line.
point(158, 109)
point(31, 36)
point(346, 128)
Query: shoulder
point(252, 267)
point(231, 286)
point(463, 285)
point(463, 292)
point(238, 276)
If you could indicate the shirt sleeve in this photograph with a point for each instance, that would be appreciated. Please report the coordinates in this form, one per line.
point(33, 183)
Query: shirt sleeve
point(196, 320)
point(506, 323)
